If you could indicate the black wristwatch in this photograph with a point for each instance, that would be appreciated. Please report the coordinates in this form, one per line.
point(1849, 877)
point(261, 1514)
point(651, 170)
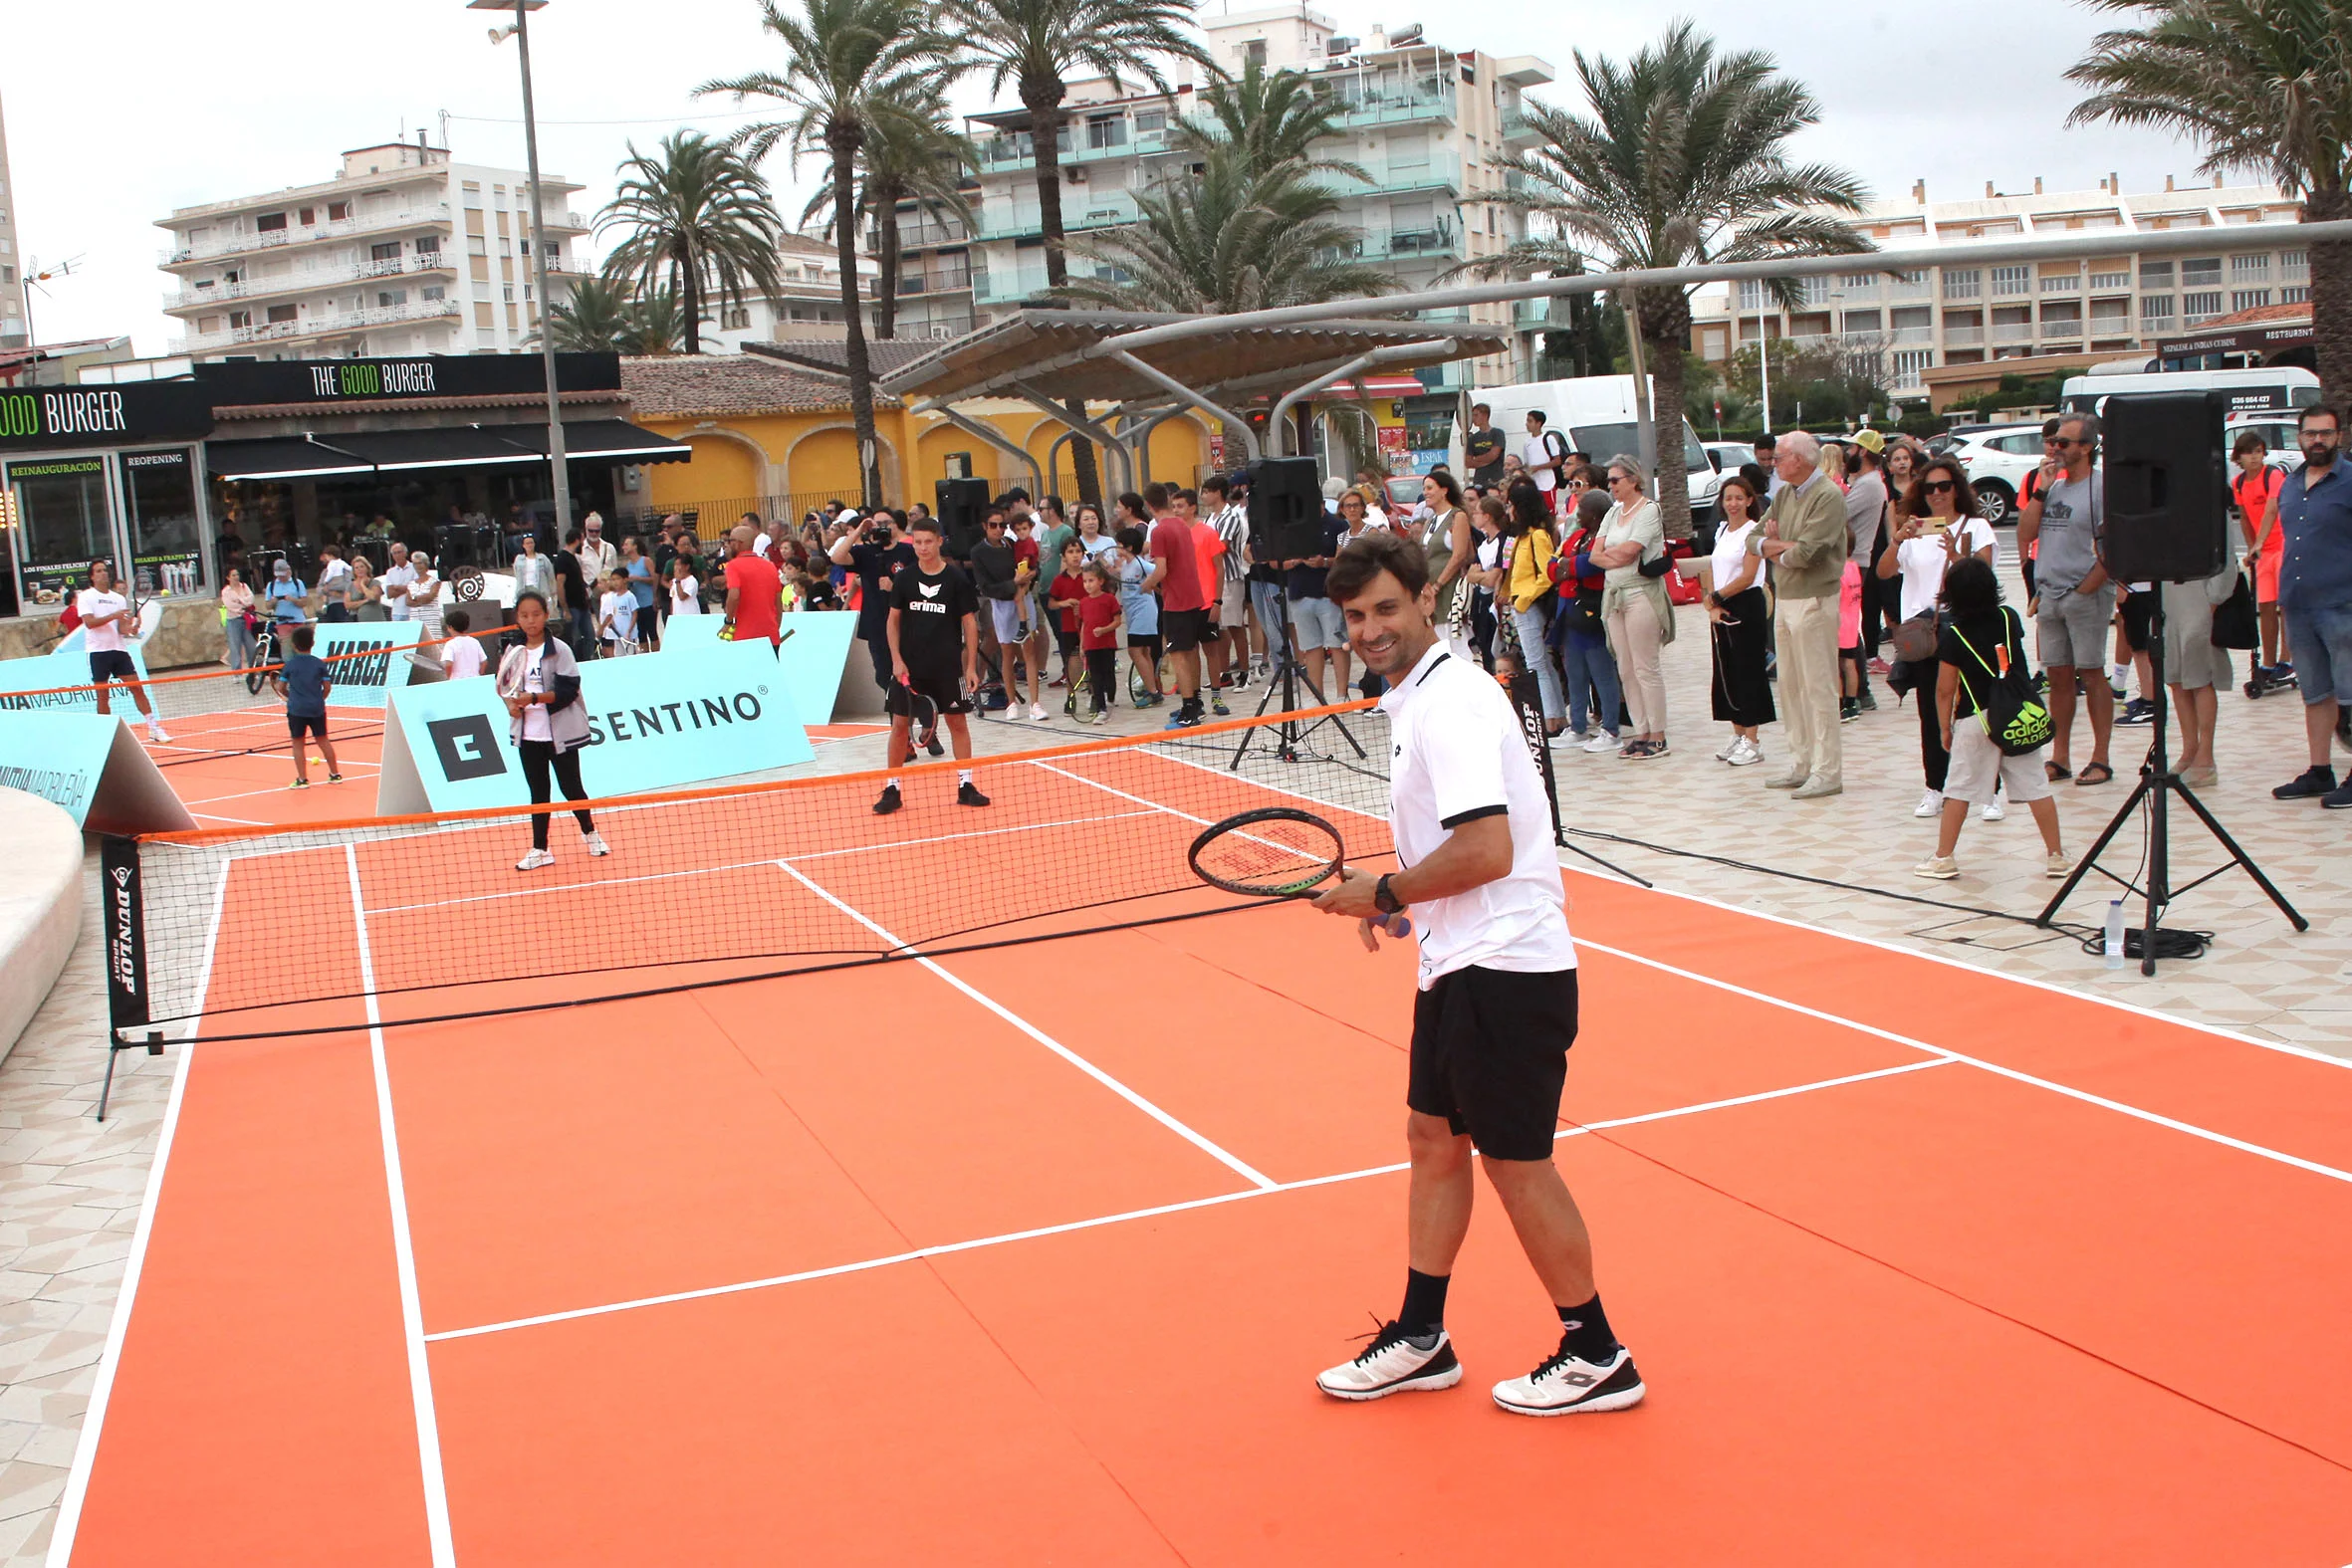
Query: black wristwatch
point(1382, 899)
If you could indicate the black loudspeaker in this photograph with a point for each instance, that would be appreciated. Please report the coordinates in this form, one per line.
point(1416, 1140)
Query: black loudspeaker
point(1286, 510)
point(960, 505)
point(2168, 486)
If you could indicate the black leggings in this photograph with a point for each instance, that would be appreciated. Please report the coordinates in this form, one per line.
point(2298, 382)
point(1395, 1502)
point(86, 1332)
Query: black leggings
point(1934, 760)
point(538, 757)
point(1103, 674)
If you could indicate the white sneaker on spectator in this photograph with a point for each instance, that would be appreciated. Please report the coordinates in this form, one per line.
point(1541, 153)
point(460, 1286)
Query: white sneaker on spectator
point(1037, 709)
point(1994, 810)
point(1725, 755)
point(1930, 804)
point(1603, 740)
point(534, 860)
point(1936, 868)
point(2055, 864)
point(1746, 755)
point(596, 845)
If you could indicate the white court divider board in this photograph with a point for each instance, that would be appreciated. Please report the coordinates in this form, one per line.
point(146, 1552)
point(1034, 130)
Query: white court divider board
point(811, 657)
point(60, 667)
point(659, 720)
point(90, 764)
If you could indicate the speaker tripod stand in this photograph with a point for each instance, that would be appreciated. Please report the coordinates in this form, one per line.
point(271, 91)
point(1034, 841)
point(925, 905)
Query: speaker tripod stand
point(1286, 736)
point(2158, 784)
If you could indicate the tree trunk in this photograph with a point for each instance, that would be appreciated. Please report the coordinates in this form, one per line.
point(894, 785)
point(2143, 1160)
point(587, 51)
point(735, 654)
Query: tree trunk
point(690, 296)
point(2331, 298)
point(1043, 99)
point(1665, 327)
point(885, 203)
point(842, 142)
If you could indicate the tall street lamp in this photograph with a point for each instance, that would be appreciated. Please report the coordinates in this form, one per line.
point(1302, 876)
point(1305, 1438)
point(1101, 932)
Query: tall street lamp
point(520, 31)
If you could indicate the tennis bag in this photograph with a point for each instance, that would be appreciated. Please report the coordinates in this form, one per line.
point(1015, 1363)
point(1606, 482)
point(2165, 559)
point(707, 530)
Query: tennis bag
point(2010, 709)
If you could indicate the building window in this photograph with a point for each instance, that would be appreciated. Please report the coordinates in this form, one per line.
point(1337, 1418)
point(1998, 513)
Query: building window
point(336, 212)
point(281, 313)
point(1253, 52)
point(306, 216)
point(388, 251)
point(433, 292)
point(270, 223)
point(1909, 362)
point(1858, 281)
point(2295, 294)
point(1861, 322)
point(1962, 283)
point(2156, 311)
point(2111, 280)
point(429, 245)
point(506, 293)
point(2294, 264)
point(2249, 299)
point(2156, 275)
point(2197, 308)
point(2205, 273)
point(735, 319)
point(476, 245)
point(2250, 269)
point(2011, 280)
point(1149, 120)
point(388, 298)
point(2062, 283)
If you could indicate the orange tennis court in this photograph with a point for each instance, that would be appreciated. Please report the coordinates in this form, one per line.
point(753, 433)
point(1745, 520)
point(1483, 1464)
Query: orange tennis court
point(1029, 1252)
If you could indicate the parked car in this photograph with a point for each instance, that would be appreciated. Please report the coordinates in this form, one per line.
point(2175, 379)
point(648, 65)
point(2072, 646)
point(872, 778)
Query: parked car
point(1726, 456)
point(1998, 458)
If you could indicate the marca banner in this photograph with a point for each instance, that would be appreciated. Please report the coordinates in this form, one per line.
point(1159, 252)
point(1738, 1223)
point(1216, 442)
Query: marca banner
point(816, 646)
point(93, 768)
point(64, 666)
point(656, 721)
point(381, 666)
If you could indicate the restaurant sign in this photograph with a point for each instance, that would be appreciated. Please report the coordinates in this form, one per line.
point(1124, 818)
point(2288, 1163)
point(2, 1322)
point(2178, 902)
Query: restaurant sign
point(56, 418)
point(327, 383)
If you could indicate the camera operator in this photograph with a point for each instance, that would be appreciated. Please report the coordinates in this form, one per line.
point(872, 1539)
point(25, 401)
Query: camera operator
point(876, 551)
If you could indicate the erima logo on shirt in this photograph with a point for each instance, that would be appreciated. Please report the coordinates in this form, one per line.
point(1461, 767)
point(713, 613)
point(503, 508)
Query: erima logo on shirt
point(930, 589)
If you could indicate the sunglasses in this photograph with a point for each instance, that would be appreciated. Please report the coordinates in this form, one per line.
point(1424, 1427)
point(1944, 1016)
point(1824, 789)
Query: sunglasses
point(1939, 486)
point(2066, 441)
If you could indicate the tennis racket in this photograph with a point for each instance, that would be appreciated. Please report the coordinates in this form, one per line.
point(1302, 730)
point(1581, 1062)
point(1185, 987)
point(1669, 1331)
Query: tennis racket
point(922, 715)
point(1275, 852)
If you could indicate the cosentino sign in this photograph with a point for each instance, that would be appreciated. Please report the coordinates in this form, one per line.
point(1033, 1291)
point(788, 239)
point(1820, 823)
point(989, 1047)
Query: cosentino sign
point(49, 418)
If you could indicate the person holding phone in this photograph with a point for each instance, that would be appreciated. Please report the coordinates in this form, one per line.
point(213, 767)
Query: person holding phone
point(1935, 527)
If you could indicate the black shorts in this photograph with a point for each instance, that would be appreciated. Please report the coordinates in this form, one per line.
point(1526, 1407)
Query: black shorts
point(298, 725)
point(2139, 616)
point(942, 683)
point(1490, 1053)
point(1184, 629)
point(111, 664)
point(1149, 642)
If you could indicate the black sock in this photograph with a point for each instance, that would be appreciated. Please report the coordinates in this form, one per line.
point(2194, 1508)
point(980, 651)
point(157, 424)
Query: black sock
point(1587, 1332)
point(1424, 1311)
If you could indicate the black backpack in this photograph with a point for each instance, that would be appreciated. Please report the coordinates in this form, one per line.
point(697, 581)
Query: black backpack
point(2011, 711)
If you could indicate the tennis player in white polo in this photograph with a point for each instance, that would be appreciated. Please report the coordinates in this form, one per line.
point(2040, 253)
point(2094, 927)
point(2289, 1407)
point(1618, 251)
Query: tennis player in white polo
point(1496, 1007)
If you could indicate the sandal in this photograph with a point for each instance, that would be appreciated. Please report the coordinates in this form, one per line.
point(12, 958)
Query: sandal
point(2054, 772)
point(2105, 773)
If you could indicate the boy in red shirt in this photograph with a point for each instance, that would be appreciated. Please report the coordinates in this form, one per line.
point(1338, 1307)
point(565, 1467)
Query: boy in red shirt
point(1098, 620)
point(1062, 599)
point(1184, 603)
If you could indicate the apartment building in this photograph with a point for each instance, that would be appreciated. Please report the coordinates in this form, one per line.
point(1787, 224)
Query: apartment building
point(1422, 120)
point(403, 252)
point(14, 333)
point(935, 268)
point(1948, 310)
point(808, 304)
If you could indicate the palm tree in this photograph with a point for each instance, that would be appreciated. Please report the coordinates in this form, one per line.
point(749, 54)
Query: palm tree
point(1227, 238)
point(1679, 163)
point(851, 67)
point(921, 160)
point(697, 216)
point(2264, 85)
point(1033, 46)
point(1271, 117)
point(603, 317)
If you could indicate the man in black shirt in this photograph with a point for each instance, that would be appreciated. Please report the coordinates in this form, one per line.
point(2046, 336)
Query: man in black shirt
point(572, 585)
point(1481, 449)
point(934, 653)
point(876, 554)
point(995, 578)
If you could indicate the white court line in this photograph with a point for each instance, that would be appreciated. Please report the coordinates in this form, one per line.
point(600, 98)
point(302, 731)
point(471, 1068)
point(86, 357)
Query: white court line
point(743, 865)
point(2136, 1113)
point(240, 821)
point(1158, 1211)
point(69, 1509)
point(247, 795)
point(420, 1371)
point(1231, 1162)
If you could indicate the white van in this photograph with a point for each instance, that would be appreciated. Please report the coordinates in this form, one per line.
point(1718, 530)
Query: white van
point(1594, 414)
point(2250, 392)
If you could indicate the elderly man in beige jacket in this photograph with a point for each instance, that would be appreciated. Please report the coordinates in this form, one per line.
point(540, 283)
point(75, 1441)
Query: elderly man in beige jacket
point(1804, 538)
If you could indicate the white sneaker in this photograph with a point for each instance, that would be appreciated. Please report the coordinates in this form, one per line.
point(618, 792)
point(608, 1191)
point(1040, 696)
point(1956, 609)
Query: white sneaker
point(1748, 755)
point(1936, 868)
point(1930, 804)
point(1012, 713)
point(1730, 750)
point(1603, 740)
point(1994, 810)
point(1394, 1364)
point(596, 845)
point(1037, 709)
point(155, 733)
point(534, 860)
point(1565, 1385)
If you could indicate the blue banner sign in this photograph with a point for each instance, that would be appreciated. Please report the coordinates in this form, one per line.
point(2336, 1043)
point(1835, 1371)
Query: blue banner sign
point(816, 646)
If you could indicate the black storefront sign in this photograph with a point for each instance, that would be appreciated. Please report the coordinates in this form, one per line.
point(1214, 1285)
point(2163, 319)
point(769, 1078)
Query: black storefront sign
point(327, 383)
point(55, 418)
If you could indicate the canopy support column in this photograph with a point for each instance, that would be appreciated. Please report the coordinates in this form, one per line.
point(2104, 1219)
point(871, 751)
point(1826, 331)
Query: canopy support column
point(1278, 428)
point(975, 428)
point(1159, 377)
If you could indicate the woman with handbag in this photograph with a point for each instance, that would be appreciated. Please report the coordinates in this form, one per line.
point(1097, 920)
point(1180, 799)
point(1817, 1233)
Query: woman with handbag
point(1634, 605)
point(1741, 623)
point(236, 620)
point(1532, 599)
point(1936, 525)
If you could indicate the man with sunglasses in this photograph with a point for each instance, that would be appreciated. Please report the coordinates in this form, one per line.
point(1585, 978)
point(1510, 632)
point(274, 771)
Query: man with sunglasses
point(2315, 591)
point(2074, 601)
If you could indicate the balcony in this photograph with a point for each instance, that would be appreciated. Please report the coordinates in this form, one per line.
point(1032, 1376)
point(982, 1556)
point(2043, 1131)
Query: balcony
point(1078, 145)
point(1519, 130)
point(1533, 316)
point(302, 282)
point(1964, 336)
point(1441, 171)
point(921, 236)
point(951, 280)
point(316, 327)
point(1905, 336)
point(2013, 332)
point(2060, 330)
point(1423, 103)
point(1008, 288)
point(1440, 241)
point(365, 223)
point(1081, 211)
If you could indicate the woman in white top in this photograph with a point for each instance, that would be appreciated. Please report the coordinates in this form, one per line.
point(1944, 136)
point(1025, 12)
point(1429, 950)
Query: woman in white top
point(236, 620)
point(1095, 540)
point(538, 681)
point(1935, 525)
point(1740, 624)
point(1635, 610)
point(424, 597)
point(1446, 540)
point(685, 591)
point(1491, 518)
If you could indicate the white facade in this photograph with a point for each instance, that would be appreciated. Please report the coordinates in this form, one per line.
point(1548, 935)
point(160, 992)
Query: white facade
point(14, 333)
point(1947, 311)
point(1422, 120)
point(807, 304)
point(403, 252)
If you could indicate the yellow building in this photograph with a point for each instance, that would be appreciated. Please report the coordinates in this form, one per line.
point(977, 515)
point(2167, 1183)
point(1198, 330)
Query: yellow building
point(774, 436)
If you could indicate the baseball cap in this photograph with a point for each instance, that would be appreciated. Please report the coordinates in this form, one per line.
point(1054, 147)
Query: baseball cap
point(1870, 441)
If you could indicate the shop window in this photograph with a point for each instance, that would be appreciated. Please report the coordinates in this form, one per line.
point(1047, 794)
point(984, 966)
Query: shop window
point(63, 524)
point(167, 556)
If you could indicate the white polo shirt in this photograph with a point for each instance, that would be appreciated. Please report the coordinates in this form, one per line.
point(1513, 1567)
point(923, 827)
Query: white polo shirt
point(1456, 755)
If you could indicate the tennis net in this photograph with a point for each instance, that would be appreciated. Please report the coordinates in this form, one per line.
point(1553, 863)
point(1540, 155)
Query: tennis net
point(245, 934)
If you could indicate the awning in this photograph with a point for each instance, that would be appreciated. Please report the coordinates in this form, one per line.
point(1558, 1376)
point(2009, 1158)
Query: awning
point(603, 440)
point(458, 446)
point(281, 459)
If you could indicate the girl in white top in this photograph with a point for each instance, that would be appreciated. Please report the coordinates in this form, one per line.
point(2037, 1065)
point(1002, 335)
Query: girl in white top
point(685, 591)
point(1739, 624)
point(1933, 526)
point(1635, 610)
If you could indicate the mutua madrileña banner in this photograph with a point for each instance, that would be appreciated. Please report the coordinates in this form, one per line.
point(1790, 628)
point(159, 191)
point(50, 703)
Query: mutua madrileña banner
point(375, 662)
point(59, 682)
point(659, 720)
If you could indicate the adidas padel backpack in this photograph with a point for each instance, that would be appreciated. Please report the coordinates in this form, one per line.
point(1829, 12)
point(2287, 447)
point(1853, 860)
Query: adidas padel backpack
point(2011, 710)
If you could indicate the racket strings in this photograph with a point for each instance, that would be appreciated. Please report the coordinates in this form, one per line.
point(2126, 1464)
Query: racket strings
point(1268, 856)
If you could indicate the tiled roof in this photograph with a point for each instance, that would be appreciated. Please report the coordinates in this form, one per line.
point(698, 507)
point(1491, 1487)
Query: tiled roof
point(678, 386)
point(2259, 315)
point(832, 355)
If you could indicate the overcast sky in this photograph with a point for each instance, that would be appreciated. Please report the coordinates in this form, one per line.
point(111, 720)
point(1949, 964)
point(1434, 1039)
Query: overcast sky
point(118, 113)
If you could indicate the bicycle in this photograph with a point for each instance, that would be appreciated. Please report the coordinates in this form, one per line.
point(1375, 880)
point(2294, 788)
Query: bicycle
point(267, 652)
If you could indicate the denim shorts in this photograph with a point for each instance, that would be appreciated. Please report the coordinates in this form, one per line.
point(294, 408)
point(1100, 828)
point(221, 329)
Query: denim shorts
point(2321, 643)
point(1319, 624)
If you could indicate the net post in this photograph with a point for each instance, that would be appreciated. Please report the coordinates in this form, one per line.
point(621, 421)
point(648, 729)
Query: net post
point(124, 924)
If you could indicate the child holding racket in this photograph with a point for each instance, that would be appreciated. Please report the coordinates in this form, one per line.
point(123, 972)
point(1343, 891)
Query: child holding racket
point(1496, 1011)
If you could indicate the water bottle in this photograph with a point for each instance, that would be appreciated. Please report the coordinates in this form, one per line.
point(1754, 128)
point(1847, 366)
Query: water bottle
point(2115, 933)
